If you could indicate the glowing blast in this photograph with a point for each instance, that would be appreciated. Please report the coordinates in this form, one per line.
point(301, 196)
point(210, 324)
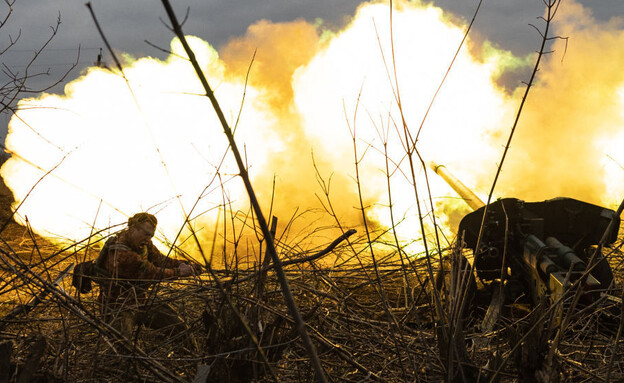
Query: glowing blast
point(470, 105)
point(154, 142)
point(133, 150)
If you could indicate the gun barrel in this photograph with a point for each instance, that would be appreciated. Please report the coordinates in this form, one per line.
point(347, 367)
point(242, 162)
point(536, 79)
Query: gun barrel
point(466, 194)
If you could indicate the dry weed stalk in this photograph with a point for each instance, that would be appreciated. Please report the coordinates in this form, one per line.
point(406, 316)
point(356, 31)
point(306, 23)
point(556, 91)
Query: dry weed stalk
point(300, 324)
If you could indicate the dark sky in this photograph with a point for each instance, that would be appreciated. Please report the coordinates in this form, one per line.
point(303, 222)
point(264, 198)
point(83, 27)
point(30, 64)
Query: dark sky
point(128, 24)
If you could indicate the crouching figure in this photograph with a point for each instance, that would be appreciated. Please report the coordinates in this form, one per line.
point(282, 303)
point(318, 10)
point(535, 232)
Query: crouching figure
point(128, 265)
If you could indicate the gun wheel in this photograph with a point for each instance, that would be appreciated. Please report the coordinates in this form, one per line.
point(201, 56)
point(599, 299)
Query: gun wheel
point(457, 287)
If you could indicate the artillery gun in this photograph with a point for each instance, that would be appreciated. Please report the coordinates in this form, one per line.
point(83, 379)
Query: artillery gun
point(535, 250)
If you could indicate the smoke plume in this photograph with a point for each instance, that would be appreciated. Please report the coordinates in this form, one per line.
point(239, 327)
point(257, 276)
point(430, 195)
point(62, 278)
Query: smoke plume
point(115, 144)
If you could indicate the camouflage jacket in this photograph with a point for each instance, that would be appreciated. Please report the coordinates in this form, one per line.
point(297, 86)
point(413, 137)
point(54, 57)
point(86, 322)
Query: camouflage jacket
point(126, 273)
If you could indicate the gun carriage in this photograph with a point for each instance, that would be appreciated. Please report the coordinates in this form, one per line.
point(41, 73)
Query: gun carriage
point(536, 250)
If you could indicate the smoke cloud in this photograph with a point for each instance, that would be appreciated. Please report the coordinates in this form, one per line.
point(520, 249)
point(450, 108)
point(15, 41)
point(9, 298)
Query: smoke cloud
point(307, 100)
point(573, 119)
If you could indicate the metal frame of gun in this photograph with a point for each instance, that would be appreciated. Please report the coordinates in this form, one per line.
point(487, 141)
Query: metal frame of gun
point(540, 249)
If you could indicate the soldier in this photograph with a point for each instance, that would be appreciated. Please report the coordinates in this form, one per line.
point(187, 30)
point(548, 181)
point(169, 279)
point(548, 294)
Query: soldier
point(128, 264)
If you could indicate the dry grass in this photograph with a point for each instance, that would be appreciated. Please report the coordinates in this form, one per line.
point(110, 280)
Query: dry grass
point(349, 325)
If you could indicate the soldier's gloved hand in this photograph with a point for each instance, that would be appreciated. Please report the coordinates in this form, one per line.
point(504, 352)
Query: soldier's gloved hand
point(197, 267)
point(185, 270)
